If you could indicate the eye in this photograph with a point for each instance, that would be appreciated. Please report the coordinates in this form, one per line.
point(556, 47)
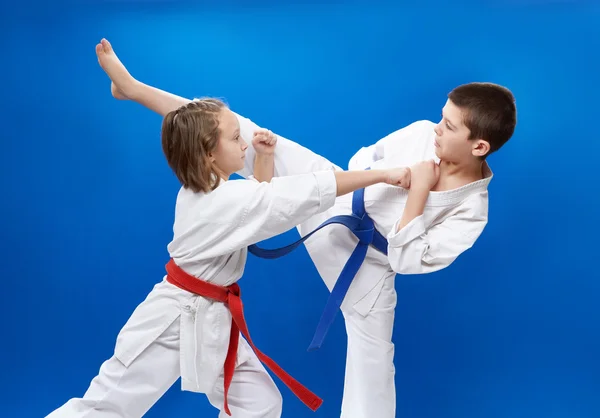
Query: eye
point(448, 126)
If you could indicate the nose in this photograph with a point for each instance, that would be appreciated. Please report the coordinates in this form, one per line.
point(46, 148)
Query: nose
point(437, 130)
point(243, 144)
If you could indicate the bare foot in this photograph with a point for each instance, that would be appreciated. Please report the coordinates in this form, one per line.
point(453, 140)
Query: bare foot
point(117, 94)
point(121, 81)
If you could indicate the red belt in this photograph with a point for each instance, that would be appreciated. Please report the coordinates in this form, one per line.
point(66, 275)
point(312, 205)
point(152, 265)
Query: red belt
point(231, 296)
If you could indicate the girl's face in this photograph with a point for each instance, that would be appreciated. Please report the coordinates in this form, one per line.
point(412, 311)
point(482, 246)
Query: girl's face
point(230, 153)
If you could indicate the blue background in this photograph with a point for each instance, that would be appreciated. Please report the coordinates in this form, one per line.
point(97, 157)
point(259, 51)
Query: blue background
point(509, 330)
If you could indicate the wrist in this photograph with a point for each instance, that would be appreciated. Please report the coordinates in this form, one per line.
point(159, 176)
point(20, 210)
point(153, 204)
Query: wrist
point(264, 155)
point(381, 176)
point(419, 188)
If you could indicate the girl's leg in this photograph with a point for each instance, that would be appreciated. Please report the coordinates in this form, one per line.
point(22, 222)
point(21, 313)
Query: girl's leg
point(252, 393)
point(120, 391)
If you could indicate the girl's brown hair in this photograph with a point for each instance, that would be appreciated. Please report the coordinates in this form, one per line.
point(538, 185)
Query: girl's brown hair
point(189, 134)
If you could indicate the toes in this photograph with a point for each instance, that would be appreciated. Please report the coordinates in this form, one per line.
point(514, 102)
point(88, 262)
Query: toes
point(107, 46)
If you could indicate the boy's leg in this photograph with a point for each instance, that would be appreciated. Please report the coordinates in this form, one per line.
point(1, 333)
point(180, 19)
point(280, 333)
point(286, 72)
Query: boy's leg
point(252, 393)
point(369, 389)
point(290, 157)
point(125, 87)
point(129, 392)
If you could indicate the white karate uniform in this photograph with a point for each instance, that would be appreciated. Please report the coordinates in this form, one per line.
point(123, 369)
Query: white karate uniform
point(451, 223)
point(175, 333)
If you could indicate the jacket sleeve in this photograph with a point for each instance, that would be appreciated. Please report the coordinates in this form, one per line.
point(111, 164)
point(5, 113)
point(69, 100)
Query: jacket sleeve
point(244, 212)
point(417, 250)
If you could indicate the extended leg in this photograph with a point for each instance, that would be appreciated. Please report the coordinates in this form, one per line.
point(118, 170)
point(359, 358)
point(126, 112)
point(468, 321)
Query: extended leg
point(129, 392)
point(290, 157)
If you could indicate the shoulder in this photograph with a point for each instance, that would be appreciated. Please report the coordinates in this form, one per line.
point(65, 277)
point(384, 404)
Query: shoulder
point(474, 208)
point(238, 190)
point(227, 196)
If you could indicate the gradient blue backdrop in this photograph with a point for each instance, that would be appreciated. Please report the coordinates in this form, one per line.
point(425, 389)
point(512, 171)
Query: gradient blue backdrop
point(510, 330)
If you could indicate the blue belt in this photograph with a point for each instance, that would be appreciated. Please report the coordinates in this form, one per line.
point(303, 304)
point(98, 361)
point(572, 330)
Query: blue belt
point(362, 226)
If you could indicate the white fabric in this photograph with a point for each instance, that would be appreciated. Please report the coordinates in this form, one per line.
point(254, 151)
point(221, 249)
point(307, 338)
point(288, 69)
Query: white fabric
point(210, 238)
point(450, 224)
point(121, 391)
point(369, 389)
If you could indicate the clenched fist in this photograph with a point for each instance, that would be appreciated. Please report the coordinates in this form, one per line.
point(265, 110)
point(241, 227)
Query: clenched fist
point(399, 177)
point(425, 175)
point(264, 142)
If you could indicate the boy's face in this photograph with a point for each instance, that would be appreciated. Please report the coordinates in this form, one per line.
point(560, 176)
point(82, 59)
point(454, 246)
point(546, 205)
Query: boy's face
point(452, 143)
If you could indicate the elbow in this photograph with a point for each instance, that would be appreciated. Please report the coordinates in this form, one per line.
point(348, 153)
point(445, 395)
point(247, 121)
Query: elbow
point(263, 179)
point(404, 260)
point(408, 267)
point(409, 260)
point(412, 267)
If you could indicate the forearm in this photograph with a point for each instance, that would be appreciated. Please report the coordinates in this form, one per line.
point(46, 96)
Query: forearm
point(349, 181)
point(264, 167)
point(415, 206)
point(157, 100)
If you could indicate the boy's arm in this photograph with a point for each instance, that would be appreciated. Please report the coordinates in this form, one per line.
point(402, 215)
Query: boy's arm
point(413, 249)
point(424, 176)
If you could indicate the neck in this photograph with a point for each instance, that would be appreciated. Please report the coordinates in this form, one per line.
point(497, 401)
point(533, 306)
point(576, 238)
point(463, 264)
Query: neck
point(221, 174)
point(453, 175)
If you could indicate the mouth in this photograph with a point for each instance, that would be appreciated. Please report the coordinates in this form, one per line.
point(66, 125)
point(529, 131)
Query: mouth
point(436, 143)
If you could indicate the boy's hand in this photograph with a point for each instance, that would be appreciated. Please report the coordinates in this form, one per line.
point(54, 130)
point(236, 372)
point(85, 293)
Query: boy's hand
point(264, 142)
point(425, 175)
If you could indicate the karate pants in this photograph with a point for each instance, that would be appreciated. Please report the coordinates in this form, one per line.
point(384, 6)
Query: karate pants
point(129, 392)
point(369, 387)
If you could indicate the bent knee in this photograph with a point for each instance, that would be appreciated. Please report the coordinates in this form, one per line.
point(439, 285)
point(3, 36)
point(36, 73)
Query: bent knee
point(270, 404)
point(275, 401)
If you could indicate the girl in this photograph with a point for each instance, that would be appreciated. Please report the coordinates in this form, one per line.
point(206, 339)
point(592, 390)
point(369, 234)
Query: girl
point(189, 324)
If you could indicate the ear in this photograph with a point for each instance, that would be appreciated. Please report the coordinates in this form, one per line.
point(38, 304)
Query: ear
point(211, 157)
point(480, 148)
